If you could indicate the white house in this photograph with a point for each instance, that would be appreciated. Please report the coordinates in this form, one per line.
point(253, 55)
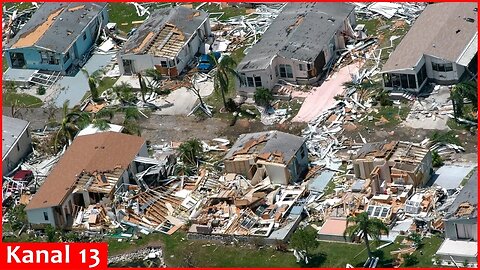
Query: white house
point(92, 168)
point(16, 142)
point(281, 156)
point(168, 41)
point(299, 44)
point(440, 47)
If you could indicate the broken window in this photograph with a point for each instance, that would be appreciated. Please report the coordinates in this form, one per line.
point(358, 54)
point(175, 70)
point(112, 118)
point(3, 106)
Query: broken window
point(395, 80)
point(442, 67)
point(387, 79)
point(45, 216)
point(422, 75)
point(301, 67)
point(250, 82)
point(285, 71)
point(411, 81)
point(163, 63)
point(258, 81)
point(242, 79)
point(17, 59)
point(404, 80)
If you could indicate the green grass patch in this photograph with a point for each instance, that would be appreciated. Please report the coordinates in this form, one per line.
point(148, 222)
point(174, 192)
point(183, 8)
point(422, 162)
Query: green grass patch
point(445, 137)
point(454, 125)
point(122, 13)
point(465, 180)
point(393, 114)
point(228, 12)
point(20, 6)
point(4, 64)
point(21, 100)
point(371, 25)
point(427, 252)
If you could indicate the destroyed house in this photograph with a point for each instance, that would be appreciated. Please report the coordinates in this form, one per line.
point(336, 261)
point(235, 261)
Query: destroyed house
point(440, 47)
point(91, 169)
point(167, 41)
point(461, 218)
point(16, 142)
point(57, 37)
point(281, 157)
point(297, 47)
point(397, 163)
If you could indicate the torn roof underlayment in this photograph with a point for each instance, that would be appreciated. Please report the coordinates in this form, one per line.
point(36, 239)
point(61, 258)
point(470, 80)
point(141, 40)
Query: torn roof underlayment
point(101, 152)
point(55, 26)
point(268, 142)
point(443, 30)
point(465, 204)
point(12, 129)
point(165, 26)
point(299, 32)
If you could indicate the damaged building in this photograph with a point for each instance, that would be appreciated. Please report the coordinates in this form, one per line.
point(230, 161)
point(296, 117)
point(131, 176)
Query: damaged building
point(383, 164)
point(281, 157)
point(91, 169)
point(16, 142)
point(167, 41)
point(461, 226)
point(299, 44)
point(440, 47)
point(59, 36)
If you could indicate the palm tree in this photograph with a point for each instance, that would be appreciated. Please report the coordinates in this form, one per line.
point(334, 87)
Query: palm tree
point(155, 75)
point(130, 122)
point(263, 97)
point(143, 87)
point(196, 91)
point(365, 226)
point(190, 150)
point(461, 91)
point(93, 80)
point(224, 69)
point(364, 89)
point(68, 127)
point(124, 93)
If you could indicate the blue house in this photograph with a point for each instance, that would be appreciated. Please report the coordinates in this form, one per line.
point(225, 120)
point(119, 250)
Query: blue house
point(58, 37)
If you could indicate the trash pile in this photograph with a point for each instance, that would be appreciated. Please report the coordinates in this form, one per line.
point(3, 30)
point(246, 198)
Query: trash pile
point(407, 11)
point(243, 31)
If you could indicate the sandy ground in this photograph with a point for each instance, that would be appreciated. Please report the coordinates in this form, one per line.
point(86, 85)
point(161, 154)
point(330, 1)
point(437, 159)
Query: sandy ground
point(322, 97)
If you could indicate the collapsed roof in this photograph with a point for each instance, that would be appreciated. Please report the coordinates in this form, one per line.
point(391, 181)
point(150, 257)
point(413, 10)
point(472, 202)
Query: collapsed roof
point(165, 31)
point(55, 26)
point(465, 204)
point(446, 31)
point(101, 152)
point(299, 32)
point(273, 146)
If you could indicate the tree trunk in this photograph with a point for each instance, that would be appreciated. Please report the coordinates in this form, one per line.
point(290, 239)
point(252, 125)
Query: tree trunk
point(223, 98)
point(365, 237)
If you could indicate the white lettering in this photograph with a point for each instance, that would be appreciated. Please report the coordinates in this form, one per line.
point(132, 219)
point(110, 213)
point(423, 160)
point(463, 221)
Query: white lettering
point(28, 258)
point(39, 256)
point(12, 254)
point(67, 253)
point(57, 256)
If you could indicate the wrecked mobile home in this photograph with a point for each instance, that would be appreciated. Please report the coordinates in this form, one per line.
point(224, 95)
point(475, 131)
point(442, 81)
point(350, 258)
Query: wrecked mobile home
point(291, 49)
point(168, 41)
point(58, 37)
